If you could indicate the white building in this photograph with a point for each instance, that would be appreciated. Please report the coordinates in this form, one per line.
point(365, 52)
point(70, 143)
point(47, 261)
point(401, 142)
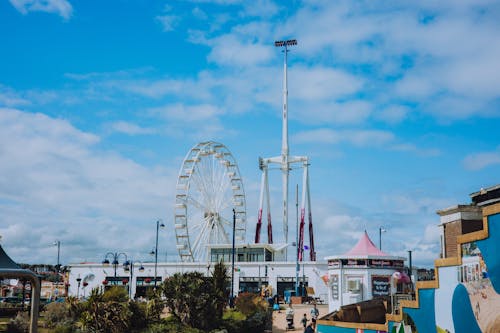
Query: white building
point(360, 274)
point(256, 266)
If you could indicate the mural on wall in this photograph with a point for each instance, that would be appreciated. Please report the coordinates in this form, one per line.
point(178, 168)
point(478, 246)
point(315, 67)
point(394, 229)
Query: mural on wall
point(467, 290)
point(485, 302)
point(466, 298)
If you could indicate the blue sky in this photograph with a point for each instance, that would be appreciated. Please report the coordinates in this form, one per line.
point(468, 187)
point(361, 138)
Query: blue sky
point(397, 105)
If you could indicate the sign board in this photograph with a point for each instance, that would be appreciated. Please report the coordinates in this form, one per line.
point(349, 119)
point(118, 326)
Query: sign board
point(381, 285)
point(334, 285)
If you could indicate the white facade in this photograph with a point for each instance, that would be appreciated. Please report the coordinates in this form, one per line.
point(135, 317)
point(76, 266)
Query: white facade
point(248, 276)
point(361, 274)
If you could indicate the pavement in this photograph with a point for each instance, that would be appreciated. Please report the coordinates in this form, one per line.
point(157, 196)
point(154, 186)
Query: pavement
point(279, 320)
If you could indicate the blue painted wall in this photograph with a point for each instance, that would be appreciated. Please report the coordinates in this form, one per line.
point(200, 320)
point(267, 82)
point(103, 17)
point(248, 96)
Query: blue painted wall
point(463, 317)
point(490, 252)
point(424, 317)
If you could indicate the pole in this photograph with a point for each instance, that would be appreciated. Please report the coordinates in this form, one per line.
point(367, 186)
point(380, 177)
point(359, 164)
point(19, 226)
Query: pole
point(410, 268)
point(380, 238)
point(156, 249)
point(297, 266)
point(158, 225)
point(58, 255)
point(131, 278)
point(231, 301)
point(380, 231)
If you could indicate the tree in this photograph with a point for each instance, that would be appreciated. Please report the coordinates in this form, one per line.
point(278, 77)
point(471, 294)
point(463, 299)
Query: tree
point(194, 299)
point(221, 284)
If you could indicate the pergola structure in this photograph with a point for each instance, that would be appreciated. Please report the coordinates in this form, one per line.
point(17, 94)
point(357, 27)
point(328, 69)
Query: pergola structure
point(9, 269)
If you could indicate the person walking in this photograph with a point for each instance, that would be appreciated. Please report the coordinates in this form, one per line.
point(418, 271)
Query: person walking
point(311, 328)
point(314, 312)
point(304, 321)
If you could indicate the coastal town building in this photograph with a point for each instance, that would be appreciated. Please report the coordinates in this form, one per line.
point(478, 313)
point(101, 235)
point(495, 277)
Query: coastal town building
point(258, 267)
point(362, 273)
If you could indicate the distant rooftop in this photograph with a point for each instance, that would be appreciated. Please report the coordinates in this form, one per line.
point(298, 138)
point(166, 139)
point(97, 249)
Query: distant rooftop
point(486, 196)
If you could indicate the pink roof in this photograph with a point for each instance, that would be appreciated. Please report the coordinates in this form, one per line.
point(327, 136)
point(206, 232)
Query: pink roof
point(365, 247)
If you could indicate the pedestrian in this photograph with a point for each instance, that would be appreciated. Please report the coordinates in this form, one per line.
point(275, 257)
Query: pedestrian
point(304, 321)
point(314, 312)
point(311, 327)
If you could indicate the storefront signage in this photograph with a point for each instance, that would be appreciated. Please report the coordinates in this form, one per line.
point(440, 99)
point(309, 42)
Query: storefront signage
point(334, 286)
point(334, 264)
point(380, 286)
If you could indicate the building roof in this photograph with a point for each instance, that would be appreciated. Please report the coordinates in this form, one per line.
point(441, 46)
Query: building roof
point(486, 196)
point(365, 249)
point(6, 262)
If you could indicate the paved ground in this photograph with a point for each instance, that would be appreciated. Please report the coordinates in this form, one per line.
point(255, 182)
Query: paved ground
point(279, 320)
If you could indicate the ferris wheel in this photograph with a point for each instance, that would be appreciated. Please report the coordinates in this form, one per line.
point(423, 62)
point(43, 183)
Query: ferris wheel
point(209, 189)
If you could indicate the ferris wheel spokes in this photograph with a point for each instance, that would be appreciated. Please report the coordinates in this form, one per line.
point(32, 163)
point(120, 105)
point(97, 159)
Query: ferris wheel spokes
point(209, 187)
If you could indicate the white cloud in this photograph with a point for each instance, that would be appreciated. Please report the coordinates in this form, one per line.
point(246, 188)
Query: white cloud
point(231, 50)
point(130, 128)
point(188, 113)
point(74, 192)
point(199, 13)
point(360, 138)
point(168, 22)
point(393, 114)
point(479, 161)
point(319, 82)
point(409, 147)
point(60, 7)
point(10, 98)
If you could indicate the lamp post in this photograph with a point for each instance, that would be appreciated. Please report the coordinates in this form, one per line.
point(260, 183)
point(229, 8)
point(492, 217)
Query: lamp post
point(231, 300)
point(380, 231)
point(78, 280)
point(159, 225)
point(58, 244)
point(129, 266)
point(297, 265)
point(115, 256)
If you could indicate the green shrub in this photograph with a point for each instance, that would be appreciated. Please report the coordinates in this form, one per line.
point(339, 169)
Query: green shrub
point(251, 315)
point(115, 294)
point(64, 328)
point(171, 324)
point(56, 313)
point(19, 324)
point(248, 303)
point(138, 317)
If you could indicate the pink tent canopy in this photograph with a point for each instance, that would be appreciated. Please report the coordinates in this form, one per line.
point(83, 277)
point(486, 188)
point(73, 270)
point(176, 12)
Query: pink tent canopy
point(365, 247)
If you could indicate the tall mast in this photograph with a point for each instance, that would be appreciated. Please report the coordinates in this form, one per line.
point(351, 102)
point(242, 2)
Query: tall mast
point(285, 166)
point(285, 162)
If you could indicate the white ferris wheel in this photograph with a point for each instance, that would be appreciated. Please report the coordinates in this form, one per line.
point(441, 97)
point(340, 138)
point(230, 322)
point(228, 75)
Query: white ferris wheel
point(209, 191)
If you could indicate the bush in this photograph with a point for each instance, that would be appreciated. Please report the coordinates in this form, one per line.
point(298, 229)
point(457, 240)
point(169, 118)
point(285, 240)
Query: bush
point(19, 324)
point(171, 324)
point(138, 318)
point(115, 294)
point(248, 303)
point(56, 313)
point(251, 315)
point(233, 321)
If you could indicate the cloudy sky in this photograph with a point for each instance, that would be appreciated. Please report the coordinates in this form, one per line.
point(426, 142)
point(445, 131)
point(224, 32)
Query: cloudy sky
point(396, 103)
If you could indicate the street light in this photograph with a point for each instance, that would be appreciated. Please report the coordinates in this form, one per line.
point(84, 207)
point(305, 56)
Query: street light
point(231, 300)
point(78, 280)
point(159, 225)
point(115, 256)
point(380, 231)
point(58, 244)
point(129, 266)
